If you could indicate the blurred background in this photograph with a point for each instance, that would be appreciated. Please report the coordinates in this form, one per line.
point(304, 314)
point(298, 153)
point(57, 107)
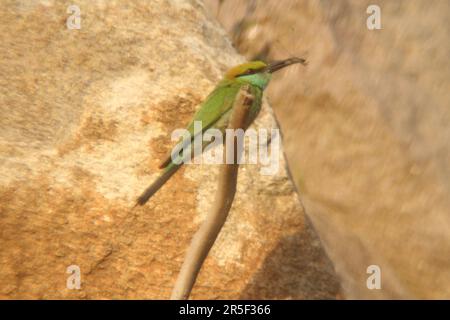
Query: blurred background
point(366, 129)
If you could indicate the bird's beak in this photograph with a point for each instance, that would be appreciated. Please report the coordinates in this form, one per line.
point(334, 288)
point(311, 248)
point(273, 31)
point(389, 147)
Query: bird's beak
point(277, 65)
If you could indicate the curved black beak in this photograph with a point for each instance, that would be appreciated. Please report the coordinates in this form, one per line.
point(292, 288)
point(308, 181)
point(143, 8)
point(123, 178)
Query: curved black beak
point(277, 65)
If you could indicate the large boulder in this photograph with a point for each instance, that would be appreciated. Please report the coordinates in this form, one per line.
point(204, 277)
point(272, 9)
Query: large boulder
point(366, 131)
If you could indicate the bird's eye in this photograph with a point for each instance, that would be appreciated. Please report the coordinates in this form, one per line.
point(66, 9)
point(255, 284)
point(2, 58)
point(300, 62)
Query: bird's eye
point(249, 72)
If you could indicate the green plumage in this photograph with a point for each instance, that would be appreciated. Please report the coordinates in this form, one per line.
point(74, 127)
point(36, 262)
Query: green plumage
point(215, 111)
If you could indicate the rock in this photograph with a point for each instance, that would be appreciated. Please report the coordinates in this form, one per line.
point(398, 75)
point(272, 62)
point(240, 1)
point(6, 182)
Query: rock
point(366, 131)
point(86, 118)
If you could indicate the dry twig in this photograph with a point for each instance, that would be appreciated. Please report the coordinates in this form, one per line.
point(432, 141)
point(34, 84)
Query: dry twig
point(205, 237)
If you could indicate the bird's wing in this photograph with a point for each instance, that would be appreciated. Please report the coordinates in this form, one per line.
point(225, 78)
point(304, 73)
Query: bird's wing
point(218, 102)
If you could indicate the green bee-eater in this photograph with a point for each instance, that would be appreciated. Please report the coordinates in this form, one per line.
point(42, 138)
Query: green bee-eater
point(215, 111)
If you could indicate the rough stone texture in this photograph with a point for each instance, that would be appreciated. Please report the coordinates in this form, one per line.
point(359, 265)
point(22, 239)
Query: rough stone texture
point(86, 117)
point(366, 130)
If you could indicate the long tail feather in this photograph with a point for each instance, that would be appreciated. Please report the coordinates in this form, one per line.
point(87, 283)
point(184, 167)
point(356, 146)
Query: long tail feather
point(169, 169)
point(155, 186)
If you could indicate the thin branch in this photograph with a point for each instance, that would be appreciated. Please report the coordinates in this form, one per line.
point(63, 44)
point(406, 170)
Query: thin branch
point(205, 237)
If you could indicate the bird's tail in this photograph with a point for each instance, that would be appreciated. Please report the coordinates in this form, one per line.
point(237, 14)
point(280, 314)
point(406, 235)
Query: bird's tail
point(155, 186)
point(169, 169)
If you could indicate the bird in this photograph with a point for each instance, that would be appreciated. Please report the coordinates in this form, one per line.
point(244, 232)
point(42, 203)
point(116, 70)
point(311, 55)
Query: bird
point(216, 110)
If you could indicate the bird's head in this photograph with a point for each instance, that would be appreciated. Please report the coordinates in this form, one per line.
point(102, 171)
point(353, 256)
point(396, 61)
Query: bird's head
point(258, 73)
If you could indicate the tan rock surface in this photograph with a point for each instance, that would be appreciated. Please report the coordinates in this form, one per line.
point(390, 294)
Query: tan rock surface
point(85, 119)
point(367, 131)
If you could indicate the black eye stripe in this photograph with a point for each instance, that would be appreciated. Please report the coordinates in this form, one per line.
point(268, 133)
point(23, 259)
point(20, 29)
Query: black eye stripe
point(251, 71)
